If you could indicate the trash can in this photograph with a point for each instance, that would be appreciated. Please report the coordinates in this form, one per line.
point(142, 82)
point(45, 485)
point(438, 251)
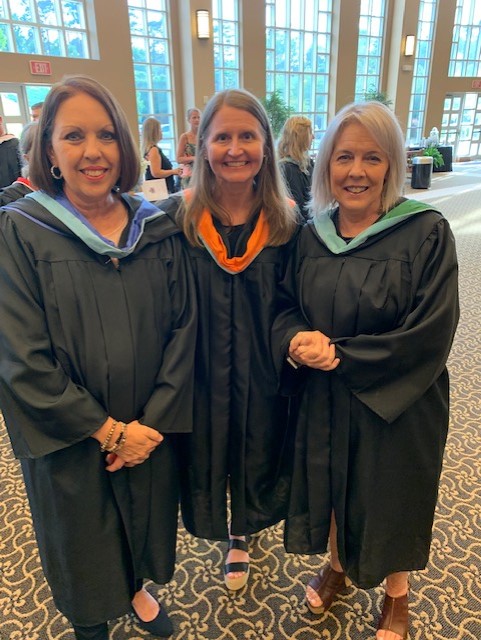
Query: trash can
point(422, 169)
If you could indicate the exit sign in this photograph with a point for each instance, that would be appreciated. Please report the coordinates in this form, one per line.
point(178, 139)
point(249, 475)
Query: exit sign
point(40, 68)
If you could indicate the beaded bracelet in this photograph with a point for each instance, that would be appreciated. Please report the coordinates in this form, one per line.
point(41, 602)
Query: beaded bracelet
point(119, 443)
point(106, 442)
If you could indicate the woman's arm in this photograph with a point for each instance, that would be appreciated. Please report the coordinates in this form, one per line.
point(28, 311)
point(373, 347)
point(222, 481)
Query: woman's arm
point(44, 409)
point(389, 371)
point(156, 170)
point(170, 407)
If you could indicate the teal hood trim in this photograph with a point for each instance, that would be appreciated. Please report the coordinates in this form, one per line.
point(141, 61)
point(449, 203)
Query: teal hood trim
point(63, 210)
point(327, 231)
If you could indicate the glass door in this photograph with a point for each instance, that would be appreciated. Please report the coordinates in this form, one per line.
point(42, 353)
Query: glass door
point(13, 108)
point(461, 125)
point(16, 101)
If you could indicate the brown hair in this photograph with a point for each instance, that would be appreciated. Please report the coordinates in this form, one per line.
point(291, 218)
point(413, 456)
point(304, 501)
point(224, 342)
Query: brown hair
point(269, 189)
point(70, 86)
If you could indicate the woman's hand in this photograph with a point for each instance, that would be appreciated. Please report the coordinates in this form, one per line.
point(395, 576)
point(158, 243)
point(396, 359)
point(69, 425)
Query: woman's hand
point(139, 443)
point(313, 349)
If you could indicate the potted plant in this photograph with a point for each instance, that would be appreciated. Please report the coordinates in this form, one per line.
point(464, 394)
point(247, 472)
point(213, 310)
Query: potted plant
point(377, 96)
point(277, 111)
point(433, 151)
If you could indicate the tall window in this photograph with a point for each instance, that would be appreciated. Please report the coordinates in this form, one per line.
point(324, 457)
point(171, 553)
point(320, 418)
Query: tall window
point(422, 70)
point(47, 27)
point(150, 37)
point(225, 17)
point(369, 48)
point(466, 46)
point(298, 49)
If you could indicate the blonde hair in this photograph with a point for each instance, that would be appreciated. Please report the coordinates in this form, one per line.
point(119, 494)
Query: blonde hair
point(269, 191)
point(295, 140)
point(383, 126)
point(151, 134)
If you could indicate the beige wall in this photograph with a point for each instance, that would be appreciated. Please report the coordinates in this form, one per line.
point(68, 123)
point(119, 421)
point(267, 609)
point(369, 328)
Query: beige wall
point(194, 59)
point(113, 68)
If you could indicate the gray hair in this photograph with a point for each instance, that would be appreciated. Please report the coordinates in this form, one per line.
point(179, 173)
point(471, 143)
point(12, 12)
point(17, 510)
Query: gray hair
point(25, 145)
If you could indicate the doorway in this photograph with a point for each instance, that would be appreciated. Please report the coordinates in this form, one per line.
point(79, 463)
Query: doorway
point(15, 103)
point(461, 125)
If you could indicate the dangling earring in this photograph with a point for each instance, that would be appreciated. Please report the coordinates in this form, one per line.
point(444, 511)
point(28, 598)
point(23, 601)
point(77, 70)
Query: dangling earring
point(56, 176)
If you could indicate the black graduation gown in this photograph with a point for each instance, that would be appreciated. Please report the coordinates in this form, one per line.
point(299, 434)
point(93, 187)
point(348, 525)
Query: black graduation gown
point(371, 433)
point(299, 184)
point(240, 422)
point(79, 340)
point(13, 192)
point(10, 166)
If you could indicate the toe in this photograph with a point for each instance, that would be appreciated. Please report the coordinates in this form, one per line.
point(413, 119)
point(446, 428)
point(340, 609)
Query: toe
point(313, 597)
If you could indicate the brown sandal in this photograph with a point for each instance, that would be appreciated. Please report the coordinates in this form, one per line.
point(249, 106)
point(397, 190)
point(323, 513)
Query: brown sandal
point(327, 583)
point(395, 616)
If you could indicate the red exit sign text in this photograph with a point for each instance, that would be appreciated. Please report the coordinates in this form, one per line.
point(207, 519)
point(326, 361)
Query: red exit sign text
point(40, 68)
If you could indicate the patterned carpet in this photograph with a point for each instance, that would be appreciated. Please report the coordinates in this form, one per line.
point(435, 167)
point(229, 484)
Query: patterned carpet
point(445, 599)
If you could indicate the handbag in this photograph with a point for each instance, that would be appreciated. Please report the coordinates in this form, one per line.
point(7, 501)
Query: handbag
point(155, 189)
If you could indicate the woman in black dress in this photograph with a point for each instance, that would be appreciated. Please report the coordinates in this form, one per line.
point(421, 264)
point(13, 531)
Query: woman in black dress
point(159, 165)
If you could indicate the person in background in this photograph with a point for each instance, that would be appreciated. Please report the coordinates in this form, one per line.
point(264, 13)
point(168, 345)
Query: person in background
point(96, 359)
point(159, 165)
point(35, 111)
point(238, 224)
point(10, 166)
point(375, 275)
point(294, 160)
point(22, 185)
point(187, 146)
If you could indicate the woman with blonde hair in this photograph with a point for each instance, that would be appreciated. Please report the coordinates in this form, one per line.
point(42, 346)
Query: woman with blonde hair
point(294, 160)
point(159, 165)
point(371, 310)
point(239, 224)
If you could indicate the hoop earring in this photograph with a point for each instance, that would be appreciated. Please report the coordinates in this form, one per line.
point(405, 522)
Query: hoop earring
point(56, 176)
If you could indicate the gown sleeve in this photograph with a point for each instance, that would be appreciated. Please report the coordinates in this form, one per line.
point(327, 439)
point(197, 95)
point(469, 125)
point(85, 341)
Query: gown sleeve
point(44, 410)
point(289, 321)
point(388, 372)
point(170, 407)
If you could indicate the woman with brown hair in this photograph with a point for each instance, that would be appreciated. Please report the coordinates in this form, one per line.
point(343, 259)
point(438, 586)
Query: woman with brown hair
point(97, 329)
point(238, 224)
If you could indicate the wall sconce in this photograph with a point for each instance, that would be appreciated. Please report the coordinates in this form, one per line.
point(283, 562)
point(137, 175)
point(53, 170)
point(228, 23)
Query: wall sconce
point(409, 45)
point(203, 23)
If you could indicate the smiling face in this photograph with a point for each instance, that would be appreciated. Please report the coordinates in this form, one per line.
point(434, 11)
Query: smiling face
point(358, 169)
point(85, 148)
point(234, 147)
